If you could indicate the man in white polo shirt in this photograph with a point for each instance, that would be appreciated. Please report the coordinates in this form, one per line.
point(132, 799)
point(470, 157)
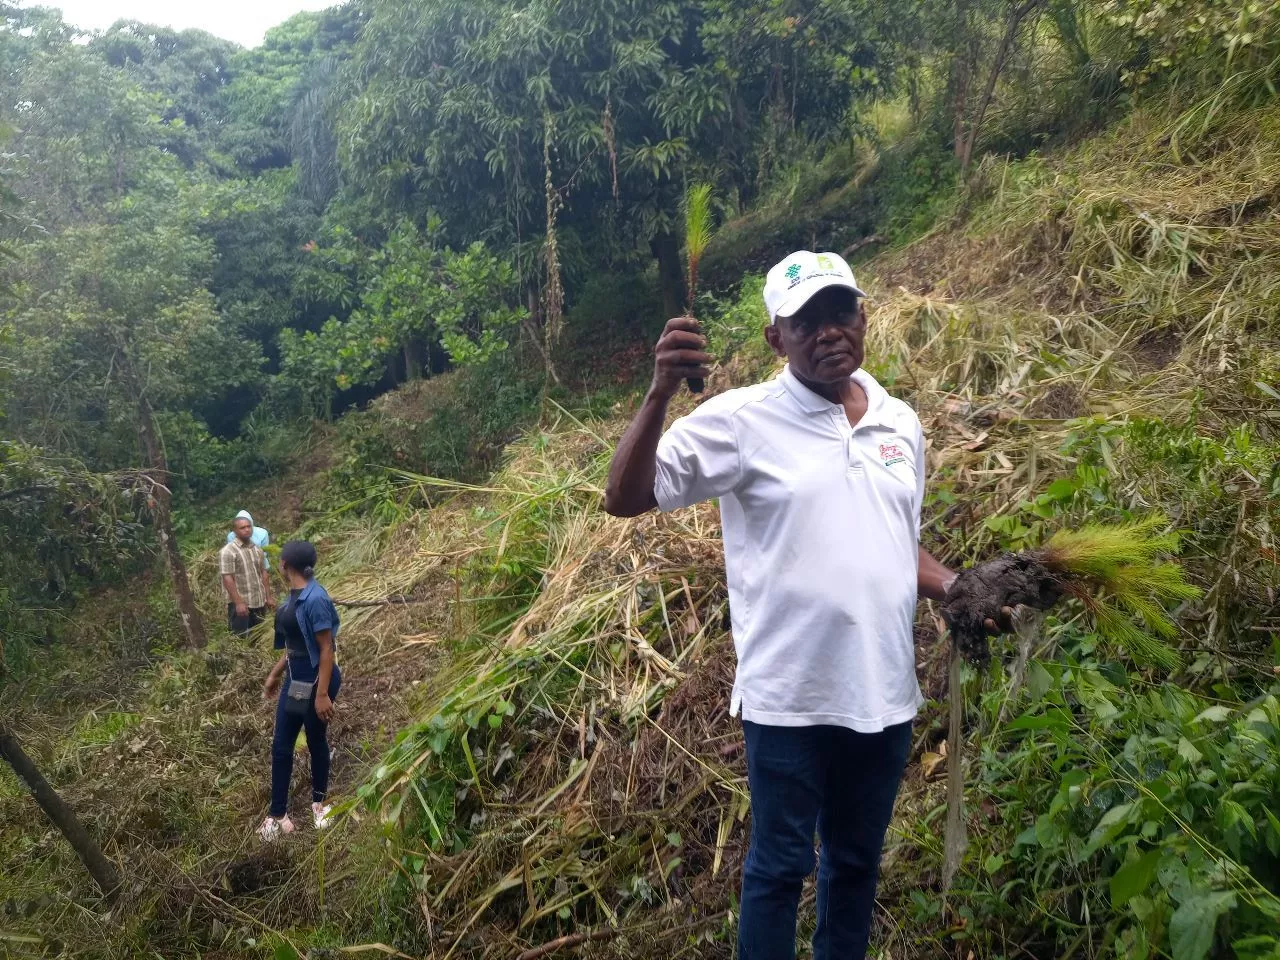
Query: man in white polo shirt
point(820, 476)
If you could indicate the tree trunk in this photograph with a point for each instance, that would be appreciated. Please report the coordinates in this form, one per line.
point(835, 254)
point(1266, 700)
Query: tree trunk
point(961, 72)
point(160, 504)
point(412, 359)
point(965, 145)
point(666, 250)
point(64, 818)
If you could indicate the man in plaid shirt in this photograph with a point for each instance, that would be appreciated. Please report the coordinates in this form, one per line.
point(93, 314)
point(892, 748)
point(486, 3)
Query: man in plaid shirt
point(243, 566)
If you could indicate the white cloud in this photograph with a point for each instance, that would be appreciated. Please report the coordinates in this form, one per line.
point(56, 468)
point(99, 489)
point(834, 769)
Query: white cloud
point(244, 21)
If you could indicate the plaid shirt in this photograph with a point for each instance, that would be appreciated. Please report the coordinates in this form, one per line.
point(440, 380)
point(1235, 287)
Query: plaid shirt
point(245, 563)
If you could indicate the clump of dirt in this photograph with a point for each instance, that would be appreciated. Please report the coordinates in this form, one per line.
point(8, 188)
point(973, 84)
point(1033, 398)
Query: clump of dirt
point(1156, 349)
point(1062, 401)
point(261, 870)
point(979, 593)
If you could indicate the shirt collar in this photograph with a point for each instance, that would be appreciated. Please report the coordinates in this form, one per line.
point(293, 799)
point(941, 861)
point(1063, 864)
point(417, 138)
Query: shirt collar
point(812, 402)
point(310, 588)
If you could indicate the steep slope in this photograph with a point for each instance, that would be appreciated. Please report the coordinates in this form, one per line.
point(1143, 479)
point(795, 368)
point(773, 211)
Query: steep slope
point(537, 745)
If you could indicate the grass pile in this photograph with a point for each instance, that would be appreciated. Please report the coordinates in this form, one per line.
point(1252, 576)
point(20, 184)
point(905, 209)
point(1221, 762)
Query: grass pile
point(578, 769)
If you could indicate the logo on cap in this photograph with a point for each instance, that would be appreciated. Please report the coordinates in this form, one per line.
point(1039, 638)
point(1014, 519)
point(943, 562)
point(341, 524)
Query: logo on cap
point(793, 271)
point(824, 262)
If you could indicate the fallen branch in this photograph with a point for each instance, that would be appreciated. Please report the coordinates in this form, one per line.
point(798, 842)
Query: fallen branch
point(384, 602)
point(955, 837)
point(859, 244)
point(578, 939)
point(565, 942)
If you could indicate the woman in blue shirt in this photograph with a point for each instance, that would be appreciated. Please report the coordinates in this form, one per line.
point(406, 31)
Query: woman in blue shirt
point(308, 680)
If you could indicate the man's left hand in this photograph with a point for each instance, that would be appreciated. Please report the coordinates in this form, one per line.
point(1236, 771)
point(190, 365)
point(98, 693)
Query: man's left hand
point(271, 602)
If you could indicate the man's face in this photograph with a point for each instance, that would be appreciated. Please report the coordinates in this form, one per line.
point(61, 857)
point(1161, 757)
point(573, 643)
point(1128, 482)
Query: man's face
point(823, 342)
point(243, 529)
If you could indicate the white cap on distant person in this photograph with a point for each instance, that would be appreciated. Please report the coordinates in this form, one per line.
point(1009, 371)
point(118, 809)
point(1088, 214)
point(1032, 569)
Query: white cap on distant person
point(791, 283)
point(244, 515)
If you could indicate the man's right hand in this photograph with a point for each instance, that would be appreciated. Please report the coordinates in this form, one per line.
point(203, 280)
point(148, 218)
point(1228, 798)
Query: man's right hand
point(680, 354)
point(242, 610)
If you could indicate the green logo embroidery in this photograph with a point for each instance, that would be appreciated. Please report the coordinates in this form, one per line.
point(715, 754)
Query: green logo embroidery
point(793, 271)
point(824, 262)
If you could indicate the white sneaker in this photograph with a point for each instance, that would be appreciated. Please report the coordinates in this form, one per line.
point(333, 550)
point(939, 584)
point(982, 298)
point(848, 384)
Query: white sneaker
point(273, 828)
point(320, 812)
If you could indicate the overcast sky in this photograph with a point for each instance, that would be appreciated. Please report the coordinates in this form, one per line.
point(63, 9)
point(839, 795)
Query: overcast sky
point(244, 21)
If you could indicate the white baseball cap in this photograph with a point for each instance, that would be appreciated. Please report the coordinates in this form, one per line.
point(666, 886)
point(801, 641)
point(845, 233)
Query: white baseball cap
point(790, 284)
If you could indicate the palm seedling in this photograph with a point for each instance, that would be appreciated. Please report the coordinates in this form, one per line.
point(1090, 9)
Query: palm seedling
point(697, 209)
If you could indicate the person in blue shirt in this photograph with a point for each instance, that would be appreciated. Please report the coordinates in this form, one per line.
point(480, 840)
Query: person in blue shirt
point(306, 629)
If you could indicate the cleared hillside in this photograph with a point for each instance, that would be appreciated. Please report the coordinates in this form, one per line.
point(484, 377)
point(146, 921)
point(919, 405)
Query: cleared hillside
point(536, 745)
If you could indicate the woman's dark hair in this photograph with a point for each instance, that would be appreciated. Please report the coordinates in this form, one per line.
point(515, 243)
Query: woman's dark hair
point(299, 555)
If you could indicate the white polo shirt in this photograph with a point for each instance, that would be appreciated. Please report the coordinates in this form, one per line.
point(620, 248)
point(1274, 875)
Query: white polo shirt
point(821, 526)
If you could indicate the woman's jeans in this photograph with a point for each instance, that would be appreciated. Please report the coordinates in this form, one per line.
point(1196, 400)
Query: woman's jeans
point(286, 735)
point(842, 784)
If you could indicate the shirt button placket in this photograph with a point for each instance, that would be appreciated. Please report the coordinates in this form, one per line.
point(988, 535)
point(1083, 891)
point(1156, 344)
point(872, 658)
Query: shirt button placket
point(850, 445)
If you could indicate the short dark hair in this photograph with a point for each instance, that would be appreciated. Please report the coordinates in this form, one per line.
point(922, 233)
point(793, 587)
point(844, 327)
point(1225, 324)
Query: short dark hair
point(299, 555)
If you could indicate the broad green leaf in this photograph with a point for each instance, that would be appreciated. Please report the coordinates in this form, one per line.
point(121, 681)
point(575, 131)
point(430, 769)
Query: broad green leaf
point(1214, 714)
point(1055, 719)
point(1061, 489)
point(1039, 681)
point(285, 952)
point(1187, 750)
point(1109, 827)
point(1273, 835)
point(1133, 878)
point(1192, 925)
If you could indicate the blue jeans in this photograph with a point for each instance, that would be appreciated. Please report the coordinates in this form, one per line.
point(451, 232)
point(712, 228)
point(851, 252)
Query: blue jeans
point(286, 735)
point(843, 784)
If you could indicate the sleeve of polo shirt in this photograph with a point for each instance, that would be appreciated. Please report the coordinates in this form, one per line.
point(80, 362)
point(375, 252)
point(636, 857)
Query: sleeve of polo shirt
point(922, 468)
point(226, 562)
point(698, 459)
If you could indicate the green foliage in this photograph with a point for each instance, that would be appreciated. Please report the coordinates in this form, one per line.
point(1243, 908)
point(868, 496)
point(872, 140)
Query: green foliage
point(454, 426)
point(1204, 42)
point(411, 296)
point(1146, 812)
point(62, 529)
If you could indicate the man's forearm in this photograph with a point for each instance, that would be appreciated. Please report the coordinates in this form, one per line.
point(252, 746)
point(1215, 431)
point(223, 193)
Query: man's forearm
point(933, 579)
point(629, 491)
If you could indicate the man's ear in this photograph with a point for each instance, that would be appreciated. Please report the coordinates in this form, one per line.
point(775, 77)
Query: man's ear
point(774, 338)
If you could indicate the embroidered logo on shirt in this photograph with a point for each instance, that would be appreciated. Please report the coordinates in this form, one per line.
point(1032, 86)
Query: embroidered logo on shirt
point(891, 454)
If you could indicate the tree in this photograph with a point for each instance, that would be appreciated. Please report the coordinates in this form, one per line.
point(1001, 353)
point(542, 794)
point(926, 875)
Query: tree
point(114, 323)
point(60, 813)
point(414, 298)
point(970, 110)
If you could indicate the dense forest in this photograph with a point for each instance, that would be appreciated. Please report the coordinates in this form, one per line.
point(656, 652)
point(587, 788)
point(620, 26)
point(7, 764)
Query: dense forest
point(391, 279)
